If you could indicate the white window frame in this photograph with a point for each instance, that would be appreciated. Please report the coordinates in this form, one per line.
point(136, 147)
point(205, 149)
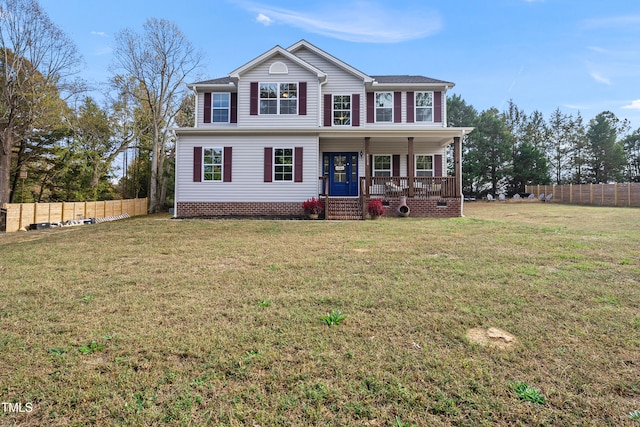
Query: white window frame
point(375, 170)
point(214, 108)
point(346, 120)
point(377, 108)
point(214, 165)
point(283, 173)
point(281, 94)
point(425, 172)
point(420, 108)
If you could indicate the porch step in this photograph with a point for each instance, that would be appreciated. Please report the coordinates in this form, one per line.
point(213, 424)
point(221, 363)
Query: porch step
point(344, 208)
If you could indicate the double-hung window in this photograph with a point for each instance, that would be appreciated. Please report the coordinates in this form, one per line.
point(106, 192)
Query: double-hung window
point(424, 165)
point(342, 110)
point(220, 107)
point(384, 107)
point(212, 164)
point(278, 98)
point(283, 164)
point(381, 165)
point(424, 106)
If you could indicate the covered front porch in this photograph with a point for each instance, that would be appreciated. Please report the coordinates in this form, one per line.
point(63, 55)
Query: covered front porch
point(392, 166)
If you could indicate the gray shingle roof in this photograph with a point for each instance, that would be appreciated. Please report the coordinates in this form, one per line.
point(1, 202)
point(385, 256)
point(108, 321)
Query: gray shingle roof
point(219, 81)
point(399, 79)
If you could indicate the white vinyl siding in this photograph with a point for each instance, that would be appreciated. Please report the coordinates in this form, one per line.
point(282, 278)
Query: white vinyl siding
point(260, 74)
point(340, 82)
point(248, 170)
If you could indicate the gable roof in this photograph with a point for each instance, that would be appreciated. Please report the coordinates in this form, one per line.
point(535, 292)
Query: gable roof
point(270, 54)
point(305, 44)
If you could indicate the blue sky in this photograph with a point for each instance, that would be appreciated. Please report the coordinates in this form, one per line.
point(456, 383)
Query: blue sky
point(543, 54)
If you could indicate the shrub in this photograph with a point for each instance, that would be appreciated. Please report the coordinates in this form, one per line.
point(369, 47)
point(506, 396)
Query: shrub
point(375, 207)
point(313, 206)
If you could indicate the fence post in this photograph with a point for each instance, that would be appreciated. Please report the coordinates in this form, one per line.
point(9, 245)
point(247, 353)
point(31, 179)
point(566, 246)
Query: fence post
point(615, 194)
point(629, 193)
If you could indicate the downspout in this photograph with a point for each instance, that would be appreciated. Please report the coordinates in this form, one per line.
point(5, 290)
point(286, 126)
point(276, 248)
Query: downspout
point(195, 108)
point(175, 184)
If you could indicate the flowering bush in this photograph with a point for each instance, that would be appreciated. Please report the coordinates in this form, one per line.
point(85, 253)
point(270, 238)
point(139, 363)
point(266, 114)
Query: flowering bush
point(375, 207)
point(313, 206)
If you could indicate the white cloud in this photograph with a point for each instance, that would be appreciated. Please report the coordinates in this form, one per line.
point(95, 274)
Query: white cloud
point(355, 20)
point(635, 105)
point(599, 78)
point(99, 33)
point(630, 21)
point(264, 19)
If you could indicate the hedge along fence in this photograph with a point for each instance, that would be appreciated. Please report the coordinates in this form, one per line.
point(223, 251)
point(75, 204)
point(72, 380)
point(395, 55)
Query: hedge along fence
point(623, 194)
point(21, 215)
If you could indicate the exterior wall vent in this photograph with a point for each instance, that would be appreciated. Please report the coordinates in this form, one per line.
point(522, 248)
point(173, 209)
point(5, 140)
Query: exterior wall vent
point(278, 68)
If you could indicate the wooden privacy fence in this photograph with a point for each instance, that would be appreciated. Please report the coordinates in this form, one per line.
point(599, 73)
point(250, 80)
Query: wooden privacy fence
point(623, 194)
point(21, 215)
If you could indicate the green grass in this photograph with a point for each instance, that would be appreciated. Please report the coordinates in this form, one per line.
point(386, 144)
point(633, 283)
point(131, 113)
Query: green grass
point(152, 321)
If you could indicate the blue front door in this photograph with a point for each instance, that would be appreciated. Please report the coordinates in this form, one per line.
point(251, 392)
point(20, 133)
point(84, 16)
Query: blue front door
point(342, 169)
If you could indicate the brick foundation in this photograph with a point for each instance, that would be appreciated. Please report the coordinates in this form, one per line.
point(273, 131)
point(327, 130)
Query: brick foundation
point(420, 208)
point(426, 208)
point(271, 209)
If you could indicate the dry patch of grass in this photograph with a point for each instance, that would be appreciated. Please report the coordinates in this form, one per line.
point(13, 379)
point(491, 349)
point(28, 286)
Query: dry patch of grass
point(149, 321)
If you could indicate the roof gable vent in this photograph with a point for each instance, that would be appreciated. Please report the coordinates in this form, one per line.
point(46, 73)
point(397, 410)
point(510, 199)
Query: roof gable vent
point(278, 68)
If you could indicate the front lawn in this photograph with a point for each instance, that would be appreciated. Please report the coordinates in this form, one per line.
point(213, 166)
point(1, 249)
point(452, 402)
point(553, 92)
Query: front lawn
point(154, 321)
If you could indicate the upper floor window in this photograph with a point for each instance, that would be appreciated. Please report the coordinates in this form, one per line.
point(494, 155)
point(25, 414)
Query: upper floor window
point(381, 165)
point(283, 164)
point(342, 110)
point(384, 106)
point(212, 164)
point(220, 107)
point(278, 98)
point(424, 165)
point(424, 106)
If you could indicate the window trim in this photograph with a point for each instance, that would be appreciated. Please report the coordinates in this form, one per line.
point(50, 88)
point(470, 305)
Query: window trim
point(291, 165)
point(376, 108)
point(278, 98)
point(214, 108)
point(433, 166)
point(373, 165)
point(204, 164)
point(416, 108)
point(333, 110)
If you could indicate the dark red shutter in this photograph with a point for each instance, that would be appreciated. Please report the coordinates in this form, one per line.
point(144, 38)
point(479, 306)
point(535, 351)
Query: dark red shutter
point(437, 167)
point(437, 107)
point(234, 107)
point(395, 165)
point(370, 164)
point(397, 107)
point(207, 107)
point(302, 98)
point(268, 164)
point(253, 99)
point(197, 164)
point(328, 100)
point(371, 107)
point(355, 109)
point(228, 151)
point(410, 106)
point(297, 164)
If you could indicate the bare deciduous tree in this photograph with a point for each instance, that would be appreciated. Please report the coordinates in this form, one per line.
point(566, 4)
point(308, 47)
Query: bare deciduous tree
point(159, 60)
point(36, 61)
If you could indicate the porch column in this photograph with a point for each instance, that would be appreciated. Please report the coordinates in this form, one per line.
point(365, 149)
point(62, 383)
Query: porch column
point(457, 155)
point(367, 165)
point(410, 166)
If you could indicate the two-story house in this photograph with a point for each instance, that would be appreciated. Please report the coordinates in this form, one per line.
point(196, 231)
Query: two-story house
point(297, 123)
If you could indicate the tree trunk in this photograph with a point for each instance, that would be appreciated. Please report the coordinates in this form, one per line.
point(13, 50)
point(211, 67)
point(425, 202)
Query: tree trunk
point(5, 166)
point(153, 180)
